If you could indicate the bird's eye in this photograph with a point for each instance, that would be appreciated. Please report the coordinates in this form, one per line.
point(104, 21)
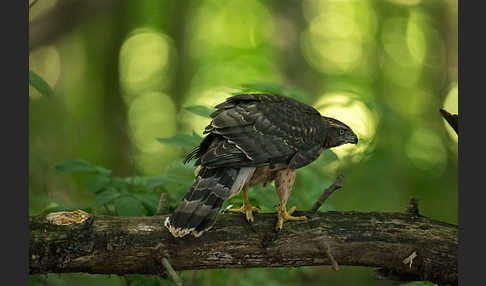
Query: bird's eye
point(341, 131)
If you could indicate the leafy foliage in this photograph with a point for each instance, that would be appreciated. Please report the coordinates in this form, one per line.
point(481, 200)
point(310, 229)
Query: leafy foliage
point(129, 196)
point(182, 140)
point(200, 110)
point(79, 165)
point(135, 196)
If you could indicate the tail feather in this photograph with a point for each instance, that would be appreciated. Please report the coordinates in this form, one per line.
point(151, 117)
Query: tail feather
point(198, 210)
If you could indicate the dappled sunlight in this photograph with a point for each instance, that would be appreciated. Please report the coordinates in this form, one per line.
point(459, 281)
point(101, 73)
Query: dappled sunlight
point(354, 113)
point(394, 40)
point(144, 61)
point(425, 44)
point(403, 69)
point(46, 62)
point(415, 38)
point(152, 115)
point(337, 34)
point(237, 23)
point(232, 73)
point(426, 151)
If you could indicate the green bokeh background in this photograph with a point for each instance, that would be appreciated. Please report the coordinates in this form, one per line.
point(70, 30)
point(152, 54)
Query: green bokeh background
point(123, 76)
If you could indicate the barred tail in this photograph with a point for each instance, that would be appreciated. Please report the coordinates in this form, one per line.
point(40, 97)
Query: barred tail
point(198, 210)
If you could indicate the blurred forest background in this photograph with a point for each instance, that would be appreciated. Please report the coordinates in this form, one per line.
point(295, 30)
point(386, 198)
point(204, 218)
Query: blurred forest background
point(132, 82)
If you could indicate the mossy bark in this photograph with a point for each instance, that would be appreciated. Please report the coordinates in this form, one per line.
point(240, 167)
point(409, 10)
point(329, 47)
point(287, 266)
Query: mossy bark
point(125, 245)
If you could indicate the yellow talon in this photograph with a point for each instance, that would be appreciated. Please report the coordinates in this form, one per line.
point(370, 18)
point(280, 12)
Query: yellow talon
point(283, 215)
point(246, 208)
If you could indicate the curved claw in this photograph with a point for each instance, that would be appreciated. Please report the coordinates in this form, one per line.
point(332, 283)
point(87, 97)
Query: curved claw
point(247, 210)
point(283, 215)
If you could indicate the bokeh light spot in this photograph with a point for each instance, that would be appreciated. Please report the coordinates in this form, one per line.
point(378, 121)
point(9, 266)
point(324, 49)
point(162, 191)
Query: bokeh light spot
point(236, 23)
point(416, 40)
point(338, 31)
point(394, 40)
point(144, 60)
point(354, 113)
point(152, 115)
point(426, 151)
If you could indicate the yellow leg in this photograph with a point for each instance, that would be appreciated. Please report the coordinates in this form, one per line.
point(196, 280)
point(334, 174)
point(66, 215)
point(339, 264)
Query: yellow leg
point(284, 181)
point(283, 215)
point(246, 208)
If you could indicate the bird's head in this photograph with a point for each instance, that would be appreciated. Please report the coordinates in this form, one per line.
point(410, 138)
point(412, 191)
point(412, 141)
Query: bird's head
point(338, 133)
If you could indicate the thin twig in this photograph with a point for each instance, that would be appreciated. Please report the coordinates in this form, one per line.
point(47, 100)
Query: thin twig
point(413, 208)
point(325, 246)
point(177, 280)
point(452, 119)
point(409, 259)
point(327, 192)
point(163, 208)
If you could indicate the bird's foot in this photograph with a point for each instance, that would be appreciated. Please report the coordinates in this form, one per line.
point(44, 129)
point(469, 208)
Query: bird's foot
point(283, 215)
point(247, 209)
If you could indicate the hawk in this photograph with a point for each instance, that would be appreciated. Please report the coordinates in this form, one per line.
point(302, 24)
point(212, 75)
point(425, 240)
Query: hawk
point(253, 139)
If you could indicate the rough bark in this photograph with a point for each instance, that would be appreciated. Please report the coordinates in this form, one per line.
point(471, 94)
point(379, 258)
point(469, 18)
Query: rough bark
point(124, 245)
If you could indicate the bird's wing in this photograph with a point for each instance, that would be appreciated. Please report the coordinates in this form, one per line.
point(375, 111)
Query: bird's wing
point(261, 129)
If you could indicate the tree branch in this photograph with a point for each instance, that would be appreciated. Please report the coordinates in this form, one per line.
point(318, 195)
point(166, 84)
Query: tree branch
point(126, 245)
point(452, 119)
point(327, 193)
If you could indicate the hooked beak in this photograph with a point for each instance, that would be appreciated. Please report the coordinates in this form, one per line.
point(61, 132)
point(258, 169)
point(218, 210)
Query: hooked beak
point(354, 139)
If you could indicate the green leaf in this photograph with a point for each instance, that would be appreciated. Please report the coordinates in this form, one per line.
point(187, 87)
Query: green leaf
point(329, 156)
point(135, 180)
point(129, 206)
point(79, 165)
point(118, 183)
point(97, 183)
point(106, 196)
point(200, 110)
point(182, 140)
point(102, 171)
point(40, 84)
point(263, 87)
point(155, 181)
point(149, 201)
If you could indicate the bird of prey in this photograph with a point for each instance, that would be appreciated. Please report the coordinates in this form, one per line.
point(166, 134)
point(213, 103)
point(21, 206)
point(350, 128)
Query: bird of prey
point(253, 139)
